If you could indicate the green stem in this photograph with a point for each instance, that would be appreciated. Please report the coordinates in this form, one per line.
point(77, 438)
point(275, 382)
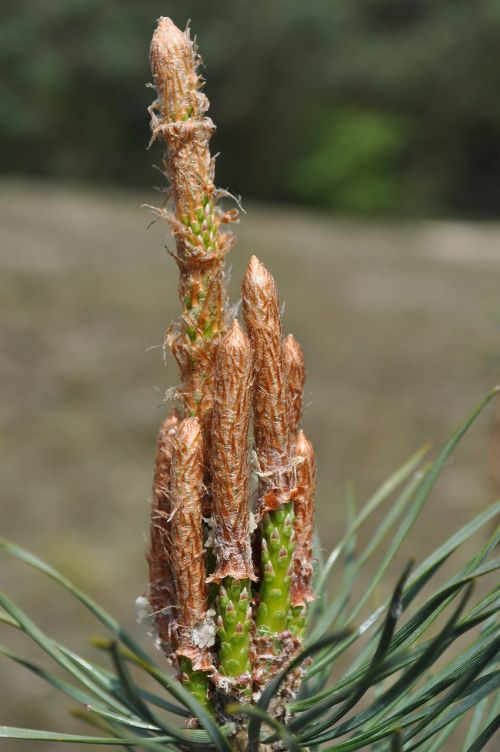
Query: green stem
point(234, 625)
point(277, 563)
point(195, 682)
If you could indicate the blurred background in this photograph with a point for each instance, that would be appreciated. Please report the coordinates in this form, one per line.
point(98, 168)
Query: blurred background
point(364, 138)
point(373, 107)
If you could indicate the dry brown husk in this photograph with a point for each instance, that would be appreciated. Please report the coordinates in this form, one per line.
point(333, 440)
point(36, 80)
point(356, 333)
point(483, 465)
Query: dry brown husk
point(229, 456)
point(162, 597)
point(270, 394)
point(186, 540)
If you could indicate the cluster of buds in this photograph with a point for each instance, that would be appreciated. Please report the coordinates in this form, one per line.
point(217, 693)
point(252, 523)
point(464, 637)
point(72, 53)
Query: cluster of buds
point(230, 555)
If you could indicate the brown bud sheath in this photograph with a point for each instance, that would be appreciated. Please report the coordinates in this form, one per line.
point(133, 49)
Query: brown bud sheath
point(229, 456)
point(187, 555)
point(295, 370)
point(161, 582)
point(270, 393)
point(304, 522)
point(174, 63)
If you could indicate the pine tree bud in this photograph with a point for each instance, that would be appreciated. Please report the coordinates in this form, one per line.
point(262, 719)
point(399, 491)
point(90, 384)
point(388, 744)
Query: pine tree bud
point(174, 63)
point(229, 456)
point(270, 393)
point(178, 118)
point(187, 552)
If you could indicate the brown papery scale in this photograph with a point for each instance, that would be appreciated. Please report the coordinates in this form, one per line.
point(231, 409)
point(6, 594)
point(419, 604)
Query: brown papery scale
point(229, 456)
point(162, 596)
point(295, 370)
point(270, 395)
point(301, 592)
point(187, 554)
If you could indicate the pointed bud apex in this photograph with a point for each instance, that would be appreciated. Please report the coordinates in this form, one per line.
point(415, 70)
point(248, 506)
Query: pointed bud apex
point(275, 535)
point(230, 607)
point(269, 568)
point(244, 594)
point(239, 628)
point(283, 553)
point(174, 65)
point(270, 394)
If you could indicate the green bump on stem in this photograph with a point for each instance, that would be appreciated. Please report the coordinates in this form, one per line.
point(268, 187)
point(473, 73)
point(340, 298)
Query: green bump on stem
point(195, 682)
point(297, 621)
point(234, 623)
point(277, 562)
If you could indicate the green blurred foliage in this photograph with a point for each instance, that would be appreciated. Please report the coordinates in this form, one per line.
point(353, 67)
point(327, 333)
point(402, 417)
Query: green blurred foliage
point(354, 165)
point(373, 106)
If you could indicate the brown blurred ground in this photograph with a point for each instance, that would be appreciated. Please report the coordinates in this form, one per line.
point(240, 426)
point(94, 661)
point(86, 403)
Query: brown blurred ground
point(399, 323)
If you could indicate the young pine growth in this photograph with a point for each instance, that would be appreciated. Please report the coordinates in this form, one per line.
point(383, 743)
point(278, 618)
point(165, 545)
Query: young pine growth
point(214, 550)
point(192, 630)
point(178, 118)
point(271, 420)
point(231, 540)
point(231, 514)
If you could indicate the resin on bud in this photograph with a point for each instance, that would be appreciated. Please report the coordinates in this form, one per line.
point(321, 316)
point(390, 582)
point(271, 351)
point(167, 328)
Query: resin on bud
point(162, 597)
